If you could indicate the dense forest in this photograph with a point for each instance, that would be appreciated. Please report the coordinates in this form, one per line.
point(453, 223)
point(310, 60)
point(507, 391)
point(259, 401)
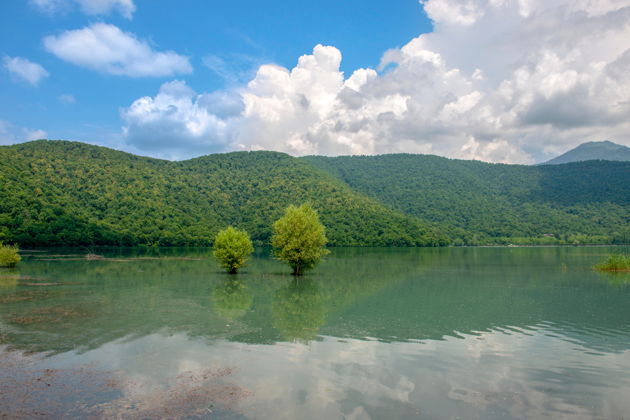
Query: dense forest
point(68, 193)
point(482, 203)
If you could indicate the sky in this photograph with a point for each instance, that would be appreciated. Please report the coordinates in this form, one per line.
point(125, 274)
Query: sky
point(512, 81)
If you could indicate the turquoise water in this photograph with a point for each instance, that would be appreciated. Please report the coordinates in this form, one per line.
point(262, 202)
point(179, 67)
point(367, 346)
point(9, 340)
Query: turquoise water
point(487, 333)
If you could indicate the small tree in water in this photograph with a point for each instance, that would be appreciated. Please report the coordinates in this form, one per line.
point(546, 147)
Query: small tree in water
point(9, 256)
point(299, 239)
point(232, 247)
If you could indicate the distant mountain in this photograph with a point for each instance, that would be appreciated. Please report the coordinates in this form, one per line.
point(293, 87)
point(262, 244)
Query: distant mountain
point(593, 150)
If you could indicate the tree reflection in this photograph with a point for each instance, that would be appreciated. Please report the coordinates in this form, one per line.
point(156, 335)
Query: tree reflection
point(299, 310)
point(8, 280)
point(618, 279)
point(231, 299)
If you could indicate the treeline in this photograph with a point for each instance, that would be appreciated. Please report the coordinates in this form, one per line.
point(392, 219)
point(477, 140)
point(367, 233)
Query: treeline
point(66, 193)
point(479, 203)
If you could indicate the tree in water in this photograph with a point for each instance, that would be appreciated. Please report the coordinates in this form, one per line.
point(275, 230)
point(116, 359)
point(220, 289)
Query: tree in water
point(299, 239)
point(9, 255)
point(232, 247)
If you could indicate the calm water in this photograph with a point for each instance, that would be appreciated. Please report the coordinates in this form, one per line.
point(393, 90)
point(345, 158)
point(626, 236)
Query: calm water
point(487, 333)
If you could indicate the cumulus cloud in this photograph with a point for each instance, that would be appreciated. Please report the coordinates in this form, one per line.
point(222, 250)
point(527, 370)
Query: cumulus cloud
point(498, 80)
point(179, 123)
point(90, 7)
point(24, 69)
point(105, 48)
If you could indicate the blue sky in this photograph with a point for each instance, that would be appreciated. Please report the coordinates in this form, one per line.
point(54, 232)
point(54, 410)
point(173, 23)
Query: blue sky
point(482, 79)
point(241, 33)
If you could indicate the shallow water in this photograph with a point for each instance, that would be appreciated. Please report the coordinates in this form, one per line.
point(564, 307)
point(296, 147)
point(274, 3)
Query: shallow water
point(487, 333)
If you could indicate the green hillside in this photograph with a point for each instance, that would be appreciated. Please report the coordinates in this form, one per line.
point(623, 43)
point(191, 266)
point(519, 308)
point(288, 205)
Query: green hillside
point(68, 193)
point(586, 202)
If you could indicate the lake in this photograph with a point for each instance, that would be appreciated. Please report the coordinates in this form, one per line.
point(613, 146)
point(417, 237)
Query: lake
point(470, 333)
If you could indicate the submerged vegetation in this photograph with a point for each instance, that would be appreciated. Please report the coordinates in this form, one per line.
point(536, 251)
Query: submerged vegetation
point(9, 255)
point(232, 247)
point(299, 239)
point(615, 263)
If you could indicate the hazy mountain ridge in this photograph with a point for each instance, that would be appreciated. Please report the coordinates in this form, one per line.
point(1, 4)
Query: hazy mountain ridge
point(594, 150)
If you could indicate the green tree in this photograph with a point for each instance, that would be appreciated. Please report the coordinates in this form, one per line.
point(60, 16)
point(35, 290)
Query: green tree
point(232, 247)
point(615, 263)
point(9, 256)
point(299, 239)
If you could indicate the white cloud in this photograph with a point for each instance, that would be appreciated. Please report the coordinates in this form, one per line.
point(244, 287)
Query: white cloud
point(35, 134)
point(453, 11)
point(50, 6)
point(25, 69)
point(105, 48)
point(90, 7)
point(234, 68)
point(10, 134)
point(179, 123)
point(6, 134)
point(67, 99)
point(104, 7)
point(498, 80)
point(219, 66)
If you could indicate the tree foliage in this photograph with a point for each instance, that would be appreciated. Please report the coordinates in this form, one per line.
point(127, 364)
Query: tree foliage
point(615, 263)
point(9, 255)
point(480, 203)
point(56, 193)
point(232, 247)
point(299, 238)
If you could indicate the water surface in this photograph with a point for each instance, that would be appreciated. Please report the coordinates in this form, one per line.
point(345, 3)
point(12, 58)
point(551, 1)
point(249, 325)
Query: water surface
point(487, 333)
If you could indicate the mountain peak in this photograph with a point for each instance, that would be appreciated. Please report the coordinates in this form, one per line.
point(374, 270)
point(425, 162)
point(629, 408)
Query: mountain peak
point(593, 150)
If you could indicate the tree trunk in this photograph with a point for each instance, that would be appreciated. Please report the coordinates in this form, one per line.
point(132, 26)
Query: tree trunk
point(297, 270)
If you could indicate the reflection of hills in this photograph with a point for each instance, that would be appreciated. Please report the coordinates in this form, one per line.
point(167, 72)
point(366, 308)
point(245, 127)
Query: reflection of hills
point(388, 294)
point(501, 289)
point(433, 308)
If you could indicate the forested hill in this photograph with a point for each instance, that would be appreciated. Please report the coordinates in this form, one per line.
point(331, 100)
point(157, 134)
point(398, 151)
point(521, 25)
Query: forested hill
point(68, 193)
point(585, 202)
